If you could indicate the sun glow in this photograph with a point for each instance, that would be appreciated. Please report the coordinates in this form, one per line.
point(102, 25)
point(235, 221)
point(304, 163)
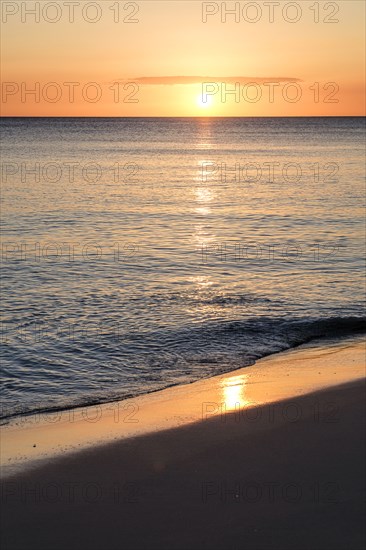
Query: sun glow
point(204, 101)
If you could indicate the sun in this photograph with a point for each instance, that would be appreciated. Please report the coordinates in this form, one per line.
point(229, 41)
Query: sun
point(204, 101)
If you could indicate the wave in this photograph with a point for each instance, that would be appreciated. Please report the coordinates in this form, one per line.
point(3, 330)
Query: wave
point(195, 352)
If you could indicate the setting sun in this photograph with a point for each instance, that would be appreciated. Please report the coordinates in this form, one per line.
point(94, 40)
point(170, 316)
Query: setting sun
point(204, 101)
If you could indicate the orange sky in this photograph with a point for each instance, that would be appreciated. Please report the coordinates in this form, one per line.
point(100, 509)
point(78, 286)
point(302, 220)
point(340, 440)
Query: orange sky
point(159, 58)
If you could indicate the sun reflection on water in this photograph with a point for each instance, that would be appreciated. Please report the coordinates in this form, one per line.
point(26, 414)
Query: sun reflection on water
point(204, 195)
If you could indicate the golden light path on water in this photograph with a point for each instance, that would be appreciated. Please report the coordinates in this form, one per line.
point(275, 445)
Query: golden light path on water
point(204, 193)
point(233, 388)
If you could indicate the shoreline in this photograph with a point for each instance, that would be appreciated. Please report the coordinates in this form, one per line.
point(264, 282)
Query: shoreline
point(325, 342)
point(31, 440)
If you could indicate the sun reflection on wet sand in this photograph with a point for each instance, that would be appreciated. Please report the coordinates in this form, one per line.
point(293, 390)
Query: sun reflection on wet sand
point(234, 392)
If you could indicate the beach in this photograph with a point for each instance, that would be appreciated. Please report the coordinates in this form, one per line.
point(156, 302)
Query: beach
point(269, 456)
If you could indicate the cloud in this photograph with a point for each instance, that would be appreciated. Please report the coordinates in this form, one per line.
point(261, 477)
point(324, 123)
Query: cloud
point(174, 80)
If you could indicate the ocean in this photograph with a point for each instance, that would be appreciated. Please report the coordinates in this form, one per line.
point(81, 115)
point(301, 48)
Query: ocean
point(139, 253)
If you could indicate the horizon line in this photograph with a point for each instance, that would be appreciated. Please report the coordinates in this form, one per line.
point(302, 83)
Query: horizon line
point(184, 116)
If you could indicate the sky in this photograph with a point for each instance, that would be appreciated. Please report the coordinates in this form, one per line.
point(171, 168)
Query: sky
point(183, 58)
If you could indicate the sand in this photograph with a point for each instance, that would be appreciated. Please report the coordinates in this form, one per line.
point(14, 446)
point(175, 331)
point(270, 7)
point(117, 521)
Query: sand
point(282, 469)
